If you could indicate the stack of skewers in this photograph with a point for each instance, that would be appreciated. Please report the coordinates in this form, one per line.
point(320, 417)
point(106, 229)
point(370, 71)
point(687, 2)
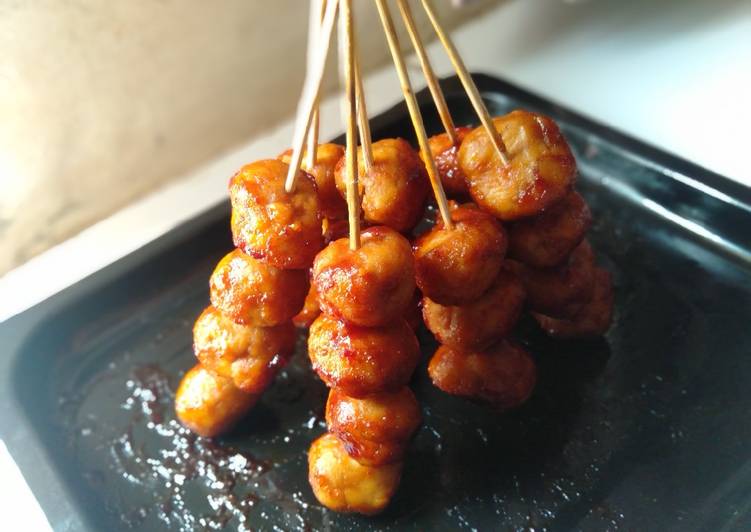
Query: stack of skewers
point(246, 335)
point(513, 239)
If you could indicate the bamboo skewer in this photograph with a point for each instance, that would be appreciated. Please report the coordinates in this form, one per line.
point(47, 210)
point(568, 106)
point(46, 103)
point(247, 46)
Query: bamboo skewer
point(311, 90)
point(317, 11)
point(468, 82)
point(350, 114)
point(430, 77)
point(362, 115)
point(414, 112)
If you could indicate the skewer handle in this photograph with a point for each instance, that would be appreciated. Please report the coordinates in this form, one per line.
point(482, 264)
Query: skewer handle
point(468, 82)
point(311, 90)
point(317, 11)
point(427, 68)
point(350, 112)
point(414, 112)
point(362, 117)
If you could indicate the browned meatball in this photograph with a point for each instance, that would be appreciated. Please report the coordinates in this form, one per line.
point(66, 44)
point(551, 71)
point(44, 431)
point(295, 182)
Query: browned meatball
point(252, 292)
point(386, 416)
point(561, 291)
point(327, 155)
point(547, 239)
point(281, 228)
point(394, 192)
point(250, 356)
point(375, 429)
point(481, 323)
point(504, 375)
point(445, 155)
point(342, 484)
point(208, 404)
point(370, 286)
point(362, 360)
point(540, 172)
point(456, 266)
point(593, 319)
point(310, 309)
point(254, 375)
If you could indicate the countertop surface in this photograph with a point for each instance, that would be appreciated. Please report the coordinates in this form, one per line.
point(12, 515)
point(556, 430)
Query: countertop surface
point(674, 74)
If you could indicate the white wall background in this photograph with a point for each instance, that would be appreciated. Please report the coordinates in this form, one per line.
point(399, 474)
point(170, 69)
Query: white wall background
point(102, 101)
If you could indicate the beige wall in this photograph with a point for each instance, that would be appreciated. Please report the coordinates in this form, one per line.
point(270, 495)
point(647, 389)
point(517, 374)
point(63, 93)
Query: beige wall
point(102, 101)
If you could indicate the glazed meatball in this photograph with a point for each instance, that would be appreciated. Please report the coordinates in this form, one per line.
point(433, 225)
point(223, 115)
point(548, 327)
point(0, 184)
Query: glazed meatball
point(254, 375)
point(268, 223)
point(252, 292)
point(342, 484)
point(375, 429)
point(310, 309)
point(481, 323)
point(445, 155)
point(546, 240)
point(456, 266)
point(370, 286)
point(362, 360)
point(561, 291)
point(387, 416)
point(593, 319)
point(331, 202)
point(394, 192)
point(503, 376)
point(540, 172)
point(208, 404)
point(250, 356)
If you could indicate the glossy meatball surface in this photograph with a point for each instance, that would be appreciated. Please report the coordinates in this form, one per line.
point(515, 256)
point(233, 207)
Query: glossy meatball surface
point(342, 484)
point(208, 404)
point(374, 429)
point(370, 286)
point(540, 172)
point(445, 155)
point(593, 319)
point(252, 292)
point(254, 375)
point(456, 266)
point(482, 322)
point(248, 355)
point(503, 375)
point(327, 155)
point(268, 223)
point(545, 240)
point(380, 417)
point(362, 360)
point(560, 291)
point(393, 193)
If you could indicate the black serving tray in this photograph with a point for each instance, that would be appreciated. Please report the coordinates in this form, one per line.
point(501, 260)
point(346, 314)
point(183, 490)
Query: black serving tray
point(646, 428)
